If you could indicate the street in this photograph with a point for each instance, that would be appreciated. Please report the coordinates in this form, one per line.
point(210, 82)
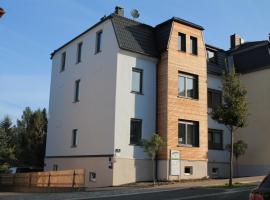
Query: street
point(185, 194)
point(202, 193)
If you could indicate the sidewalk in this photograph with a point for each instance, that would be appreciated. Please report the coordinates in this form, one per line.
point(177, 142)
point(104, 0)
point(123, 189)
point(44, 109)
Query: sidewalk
point(125, 190)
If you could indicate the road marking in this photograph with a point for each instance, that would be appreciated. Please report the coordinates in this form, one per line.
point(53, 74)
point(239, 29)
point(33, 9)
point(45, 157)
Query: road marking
point(165, 190)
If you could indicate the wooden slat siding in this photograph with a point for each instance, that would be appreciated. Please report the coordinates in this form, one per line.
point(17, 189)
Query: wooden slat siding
point(176, 108)
point(65, 178)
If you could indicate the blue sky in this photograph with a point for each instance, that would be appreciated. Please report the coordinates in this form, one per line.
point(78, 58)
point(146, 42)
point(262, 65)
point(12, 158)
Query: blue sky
point(32, 29)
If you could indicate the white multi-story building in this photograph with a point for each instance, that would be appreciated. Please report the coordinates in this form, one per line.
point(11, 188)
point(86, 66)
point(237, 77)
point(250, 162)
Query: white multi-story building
point(121, 81)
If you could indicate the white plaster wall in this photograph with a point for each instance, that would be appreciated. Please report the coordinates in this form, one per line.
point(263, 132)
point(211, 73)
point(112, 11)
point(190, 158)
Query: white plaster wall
point(94, 115)
point(129, 105)
point(214, 82)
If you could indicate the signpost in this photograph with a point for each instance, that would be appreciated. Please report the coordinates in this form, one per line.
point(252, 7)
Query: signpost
point(175, 163)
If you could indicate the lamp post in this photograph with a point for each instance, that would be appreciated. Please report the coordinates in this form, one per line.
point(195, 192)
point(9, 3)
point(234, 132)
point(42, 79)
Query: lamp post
point(2, 12)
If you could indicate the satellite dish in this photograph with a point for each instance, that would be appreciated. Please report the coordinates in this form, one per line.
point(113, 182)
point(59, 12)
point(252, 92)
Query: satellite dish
point(135, 13)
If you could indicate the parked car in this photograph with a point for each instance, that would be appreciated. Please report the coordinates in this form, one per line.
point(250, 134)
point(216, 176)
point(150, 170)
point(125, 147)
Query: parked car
point(14, 170)
point(262, 192)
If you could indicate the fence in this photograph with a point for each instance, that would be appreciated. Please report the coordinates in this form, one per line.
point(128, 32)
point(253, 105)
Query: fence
point(66, 178)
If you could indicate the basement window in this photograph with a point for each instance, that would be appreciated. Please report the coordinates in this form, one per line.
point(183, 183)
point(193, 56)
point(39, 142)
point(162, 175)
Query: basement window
point(214, 170)
point(188, 170)
point(92, 176)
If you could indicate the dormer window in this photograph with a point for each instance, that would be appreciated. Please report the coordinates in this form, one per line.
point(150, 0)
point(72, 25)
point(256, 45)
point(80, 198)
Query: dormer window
point(211, 56)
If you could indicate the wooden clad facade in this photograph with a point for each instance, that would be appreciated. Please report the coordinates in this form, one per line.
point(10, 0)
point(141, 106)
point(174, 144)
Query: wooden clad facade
point(172, 108)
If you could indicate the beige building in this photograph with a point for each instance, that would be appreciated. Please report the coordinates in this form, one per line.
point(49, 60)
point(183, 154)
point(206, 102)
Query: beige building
point(252, 61)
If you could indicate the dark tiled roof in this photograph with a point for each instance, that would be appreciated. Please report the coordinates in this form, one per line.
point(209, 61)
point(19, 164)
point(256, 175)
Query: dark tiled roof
point(138, 37)
point(134, 36)
point(247, 46)
point(162, 36)
point(252, 57)
point(182, 21)
point(217, 67)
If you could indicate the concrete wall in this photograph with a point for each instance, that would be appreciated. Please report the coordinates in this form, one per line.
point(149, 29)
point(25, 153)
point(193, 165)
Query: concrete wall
point(131, 170)
point(94, 114)
point(256, 161)
point(217, 158)
point(199, 170)
point(99, 165)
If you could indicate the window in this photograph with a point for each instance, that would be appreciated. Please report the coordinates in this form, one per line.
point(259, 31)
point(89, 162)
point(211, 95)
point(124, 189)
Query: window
point(63, 61)
point(74, 141)
point(182, 42)
point(137, 80)
point(193, 45)
point(215, 170)
point(98, 41)
point(79, 52)
point(188, 86)
point(135, 131)
point(77, 91)
point(55, 167)
point(215, 139)
point(188, 170)
point(214, 98)
point(188, 133)
point(92, 176)
point(211, 56)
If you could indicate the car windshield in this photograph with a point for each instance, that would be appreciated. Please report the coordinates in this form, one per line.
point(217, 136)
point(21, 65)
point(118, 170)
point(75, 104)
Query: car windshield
point(266, 183)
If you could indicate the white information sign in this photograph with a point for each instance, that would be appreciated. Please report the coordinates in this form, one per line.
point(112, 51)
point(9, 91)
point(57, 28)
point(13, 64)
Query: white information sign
point(175, 163)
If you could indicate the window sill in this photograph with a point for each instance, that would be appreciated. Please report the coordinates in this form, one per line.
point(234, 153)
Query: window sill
point(189, 98)
point(76, 101)
point(97, 52)
point(140, 93)
point(181, 51)
point(193, 54)
point(73, 146)
point(186, 145)
point(187, 174)
point(136, 145)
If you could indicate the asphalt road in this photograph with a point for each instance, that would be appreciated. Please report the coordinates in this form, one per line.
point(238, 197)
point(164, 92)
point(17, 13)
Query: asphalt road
point(187, 194)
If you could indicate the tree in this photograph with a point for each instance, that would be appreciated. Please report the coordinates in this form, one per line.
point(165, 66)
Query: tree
point(152, 147)
point(239, 149)
point(233, 111)
point(7, 143)
point(32, 131)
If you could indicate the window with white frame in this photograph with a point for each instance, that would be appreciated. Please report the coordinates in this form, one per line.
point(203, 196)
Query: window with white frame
point(137, 81)
point(188, 85)
point(188, 133)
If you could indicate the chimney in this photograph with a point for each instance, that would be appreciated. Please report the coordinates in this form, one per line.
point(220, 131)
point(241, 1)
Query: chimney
point(119, 11)
point(236, 40)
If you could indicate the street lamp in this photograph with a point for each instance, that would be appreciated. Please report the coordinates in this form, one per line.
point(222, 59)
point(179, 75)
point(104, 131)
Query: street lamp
point(2, 12)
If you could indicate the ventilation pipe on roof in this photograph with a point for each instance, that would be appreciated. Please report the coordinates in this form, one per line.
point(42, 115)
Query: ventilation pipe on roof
point(119, 11)
point(236, 40)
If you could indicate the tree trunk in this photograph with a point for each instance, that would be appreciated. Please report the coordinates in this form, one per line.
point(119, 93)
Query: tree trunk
point(154, 172)
point(231, 160)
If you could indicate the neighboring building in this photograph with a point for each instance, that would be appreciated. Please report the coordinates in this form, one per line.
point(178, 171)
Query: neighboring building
point(252, 61)
point(218, 134)
point(121, 81)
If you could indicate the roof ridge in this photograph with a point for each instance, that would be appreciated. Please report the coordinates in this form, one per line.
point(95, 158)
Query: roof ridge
point(132, 20)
